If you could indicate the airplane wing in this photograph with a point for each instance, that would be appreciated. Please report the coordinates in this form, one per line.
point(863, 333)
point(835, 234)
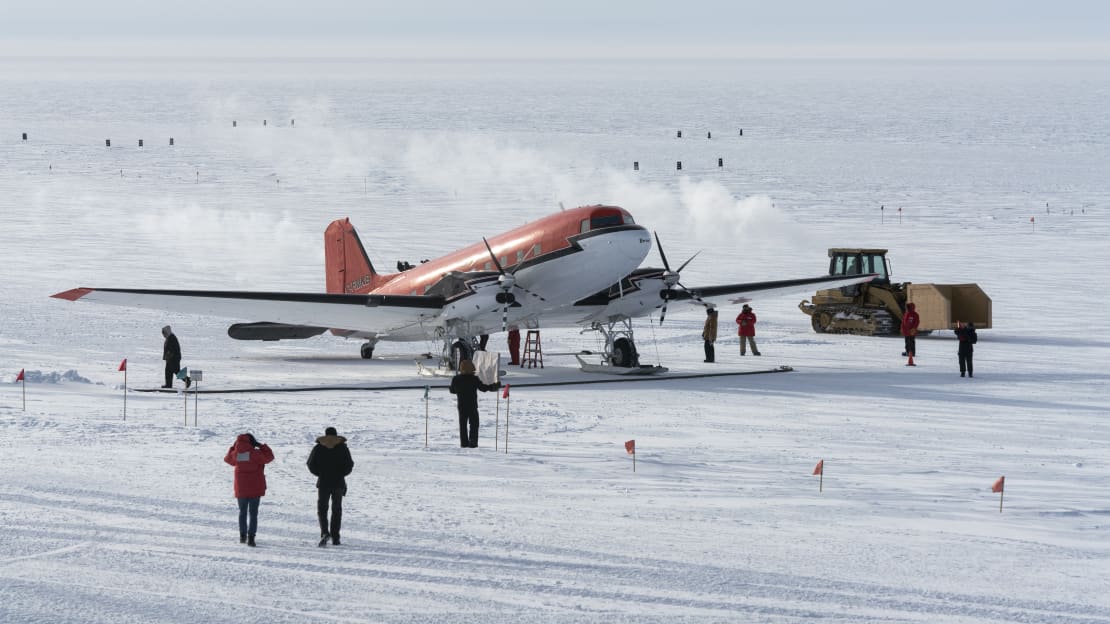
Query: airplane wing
point(376, 314)
point(646, 291)
point(743, 293)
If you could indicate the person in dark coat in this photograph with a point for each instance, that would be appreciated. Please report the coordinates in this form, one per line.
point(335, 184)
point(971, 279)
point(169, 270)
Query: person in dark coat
point(249, 456)
point(465, 386)
point(709, 333)
point(514, 347)
point(967, 336)
point(746, 329)
point(910, 321)
point(171, 353)
point(330, 460)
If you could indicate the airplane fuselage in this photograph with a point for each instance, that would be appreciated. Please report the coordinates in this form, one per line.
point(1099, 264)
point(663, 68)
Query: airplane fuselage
point(553, 262)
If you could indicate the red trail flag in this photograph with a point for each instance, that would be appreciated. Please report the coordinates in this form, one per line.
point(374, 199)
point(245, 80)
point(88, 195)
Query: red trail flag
point(505, 392)
point(630, 446)
point(999, 485)
point(19, 377)
point(820, 468)
point(123, 365)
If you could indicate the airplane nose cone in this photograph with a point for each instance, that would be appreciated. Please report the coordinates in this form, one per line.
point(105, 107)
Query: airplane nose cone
point(632, 244)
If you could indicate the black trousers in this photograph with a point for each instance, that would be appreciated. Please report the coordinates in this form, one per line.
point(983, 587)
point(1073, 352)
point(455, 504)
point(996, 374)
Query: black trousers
point(708, 350)
point(468, 439)
point(334, 495)
point(965, 362)
point(911, 345)
point(172, 368)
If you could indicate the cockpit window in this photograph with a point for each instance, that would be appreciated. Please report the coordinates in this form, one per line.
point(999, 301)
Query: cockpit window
point(596, 223)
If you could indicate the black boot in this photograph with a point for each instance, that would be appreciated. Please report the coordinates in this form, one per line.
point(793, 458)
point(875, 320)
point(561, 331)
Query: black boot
point(242, 538)
point(250, 540)
point(324, 537)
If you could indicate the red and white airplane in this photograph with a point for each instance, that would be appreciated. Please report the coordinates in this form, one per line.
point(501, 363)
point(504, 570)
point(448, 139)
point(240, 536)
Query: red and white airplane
point(574, 268)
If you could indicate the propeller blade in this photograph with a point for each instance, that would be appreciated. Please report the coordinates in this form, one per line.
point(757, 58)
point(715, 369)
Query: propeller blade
point(693, 294)
point(663, 313)
point(688, 261)
point(496, 262)
point(661, 254)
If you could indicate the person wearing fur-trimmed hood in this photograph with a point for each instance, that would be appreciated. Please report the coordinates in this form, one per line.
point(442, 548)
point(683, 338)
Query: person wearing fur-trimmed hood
point(330, 460)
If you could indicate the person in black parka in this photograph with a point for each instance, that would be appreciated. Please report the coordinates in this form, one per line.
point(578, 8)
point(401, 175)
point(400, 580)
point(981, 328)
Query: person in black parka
point(968, 338)
point(330, 460)
point(465, 386)
point(171, 353)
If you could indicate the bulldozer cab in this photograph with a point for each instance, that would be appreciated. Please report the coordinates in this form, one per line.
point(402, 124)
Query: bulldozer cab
point(859, 262)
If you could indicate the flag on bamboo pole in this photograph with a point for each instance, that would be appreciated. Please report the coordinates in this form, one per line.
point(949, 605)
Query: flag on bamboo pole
point(819, 469)
point(123, 365)
point(505, 392)
point(20, 376)
point(999, 485)
point(630, 447)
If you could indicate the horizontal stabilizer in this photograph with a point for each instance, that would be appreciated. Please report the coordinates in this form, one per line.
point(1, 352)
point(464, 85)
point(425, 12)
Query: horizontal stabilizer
point(273, 331)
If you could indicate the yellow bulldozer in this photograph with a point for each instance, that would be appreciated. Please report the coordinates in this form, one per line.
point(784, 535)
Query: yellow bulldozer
point(876, 308)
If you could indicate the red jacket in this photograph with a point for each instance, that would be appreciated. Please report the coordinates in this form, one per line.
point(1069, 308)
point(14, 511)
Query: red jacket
point(250, 466)
point(746, 321)
point(910, 321)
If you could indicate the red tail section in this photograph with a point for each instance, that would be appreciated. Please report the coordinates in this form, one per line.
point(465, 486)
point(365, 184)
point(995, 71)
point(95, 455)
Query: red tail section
point(347, 266)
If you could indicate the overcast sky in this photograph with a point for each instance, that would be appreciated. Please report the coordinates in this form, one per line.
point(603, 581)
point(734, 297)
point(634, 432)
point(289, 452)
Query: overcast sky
point(563, 29)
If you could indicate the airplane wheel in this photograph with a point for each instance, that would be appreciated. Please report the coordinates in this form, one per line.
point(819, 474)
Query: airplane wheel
point(624, 353)
point(367, 351)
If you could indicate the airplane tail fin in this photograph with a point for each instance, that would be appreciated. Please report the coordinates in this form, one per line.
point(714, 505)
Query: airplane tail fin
point(348, 268)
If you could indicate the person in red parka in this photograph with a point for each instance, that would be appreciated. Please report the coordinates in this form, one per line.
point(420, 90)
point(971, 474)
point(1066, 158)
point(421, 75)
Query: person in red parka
point(249, 456)
point(746, 321)
point(910, 321)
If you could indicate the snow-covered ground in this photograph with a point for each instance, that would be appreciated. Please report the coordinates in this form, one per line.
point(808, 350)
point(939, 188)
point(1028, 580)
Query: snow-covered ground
point(109, 520)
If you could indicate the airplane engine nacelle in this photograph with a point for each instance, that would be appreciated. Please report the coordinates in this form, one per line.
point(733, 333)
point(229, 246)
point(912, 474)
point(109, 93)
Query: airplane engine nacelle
point(273, 331)
point(503, 297)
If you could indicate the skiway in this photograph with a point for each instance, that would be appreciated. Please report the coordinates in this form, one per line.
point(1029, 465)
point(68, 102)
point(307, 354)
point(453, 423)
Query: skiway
point(550, 382)
point(574, 268)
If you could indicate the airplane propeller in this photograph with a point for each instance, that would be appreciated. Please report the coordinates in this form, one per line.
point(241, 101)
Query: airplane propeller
point(670, 279)
point(506, 282)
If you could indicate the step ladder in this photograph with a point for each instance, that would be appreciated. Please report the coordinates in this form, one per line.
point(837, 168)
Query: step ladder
point(533, 353)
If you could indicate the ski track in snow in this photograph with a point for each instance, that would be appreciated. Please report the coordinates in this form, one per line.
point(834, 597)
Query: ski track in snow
point(110, 520)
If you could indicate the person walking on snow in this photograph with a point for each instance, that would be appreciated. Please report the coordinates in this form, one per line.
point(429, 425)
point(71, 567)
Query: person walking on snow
point(330, 460)
point(910, 321)
point(171, 353)
point(249, 456)
point(967, 336)
point(465, 386)
point(746, 321)
point(709, 333)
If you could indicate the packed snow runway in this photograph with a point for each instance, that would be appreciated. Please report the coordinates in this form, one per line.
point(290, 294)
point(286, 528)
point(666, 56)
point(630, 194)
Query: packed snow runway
point(110, 520)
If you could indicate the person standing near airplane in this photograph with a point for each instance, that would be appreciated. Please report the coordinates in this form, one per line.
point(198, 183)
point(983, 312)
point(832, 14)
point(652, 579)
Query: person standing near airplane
point(910, 321)
point(330, 460)
point(967, 336)
point(465, 386)
point(171, 353)
point(514, 346)
point(746, 320)
point(709, 333)
point(249, 456)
